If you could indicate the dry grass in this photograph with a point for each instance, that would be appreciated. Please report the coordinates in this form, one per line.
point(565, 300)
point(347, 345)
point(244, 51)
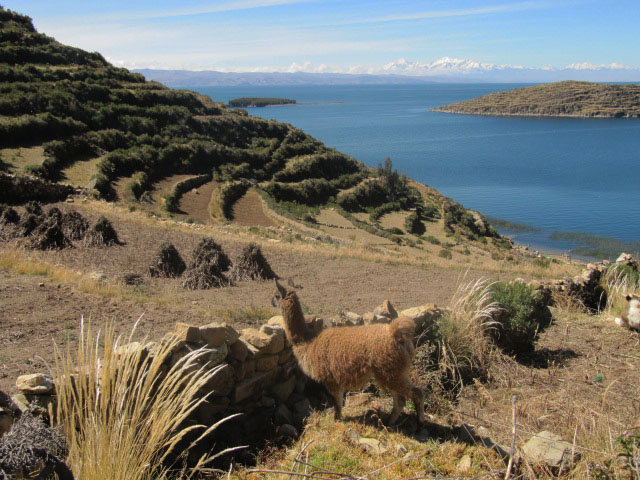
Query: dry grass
point(464, 346)
point(23, 262)
point(618, 285)
point(124, 413)
point(80, 172)
point(20, 158)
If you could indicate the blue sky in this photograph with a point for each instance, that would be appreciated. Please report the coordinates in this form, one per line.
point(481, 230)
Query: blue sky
point(344, 36)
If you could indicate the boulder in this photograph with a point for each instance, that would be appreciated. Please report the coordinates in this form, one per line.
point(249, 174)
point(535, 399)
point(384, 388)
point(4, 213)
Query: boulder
point(266, 363)
point(187, 333)
point(371, 318)
point(37, 404)
point(251, 385)
point(627, 259)
point(217, 355)
point(213, 334)
point(386, 310)
point(244, 369)
point(241, 350)
point(549, 449)
point(282, 415)
point(287, 430)
point(207, 411)
point(35, 383)
point(425, 316)
point(268, 340)
point(284, 389)
point(221, 384)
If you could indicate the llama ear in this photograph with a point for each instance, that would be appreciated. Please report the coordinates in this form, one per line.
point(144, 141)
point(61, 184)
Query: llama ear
point(274, 301)
point(291, 283)
point(281, 289)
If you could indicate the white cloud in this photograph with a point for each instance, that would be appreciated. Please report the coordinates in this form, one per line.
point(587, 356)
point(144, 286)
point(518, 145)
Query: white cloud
point(509, 7)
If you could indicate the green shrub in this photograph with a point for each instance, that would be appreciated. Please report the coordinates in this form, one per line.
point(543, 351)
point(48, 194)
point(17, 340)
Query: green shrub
point(445, 253)
point(395, 231)
point(413, 224)
point(433, 240)
point(522, 316)
point(541, 262)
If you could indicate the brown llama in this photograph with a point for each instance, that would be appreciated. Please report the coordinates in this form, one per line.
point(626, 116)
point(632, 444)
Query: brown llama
point(347, 358)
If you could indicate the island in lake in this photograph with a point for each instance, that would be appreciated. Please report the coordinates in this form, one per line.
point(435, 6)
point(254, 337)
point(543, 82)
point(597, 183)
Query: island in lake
point(259, 102)
point(559, 99)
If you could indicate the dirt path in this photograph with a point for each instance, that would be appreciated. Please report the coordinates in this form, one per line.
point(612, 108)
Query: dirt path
point(249, 211)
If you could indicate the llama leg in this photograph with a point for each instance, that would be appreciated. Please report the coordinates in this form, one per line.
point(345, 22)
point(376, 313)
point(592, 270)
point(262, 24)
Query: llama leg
point(399, 402)
point(402, 387)
point(337, 394)
point(418, 401)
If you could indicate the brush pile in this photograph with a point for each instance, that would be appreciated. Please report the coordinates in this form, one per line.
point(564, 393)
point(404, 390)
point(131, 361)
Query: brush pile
point(168, 263)
point(207, 267)
point(102, 234)
point(31, 446)
point(251, 265)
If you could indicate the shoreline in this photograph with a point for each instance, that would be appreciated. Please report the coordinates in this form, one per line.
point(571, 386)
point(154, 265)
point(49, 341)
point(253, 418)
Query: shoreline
point(543, 115)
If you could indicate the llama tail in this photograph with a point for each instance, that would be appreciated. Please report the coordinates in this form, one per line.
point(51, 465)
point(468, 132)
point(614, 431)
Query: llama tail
point(402, 330)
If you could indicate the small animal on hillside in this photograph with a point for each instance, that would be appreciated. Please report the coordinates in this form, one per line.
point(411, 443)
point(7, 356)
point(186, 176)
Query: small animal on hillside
point(631, 316)
point(347, 358)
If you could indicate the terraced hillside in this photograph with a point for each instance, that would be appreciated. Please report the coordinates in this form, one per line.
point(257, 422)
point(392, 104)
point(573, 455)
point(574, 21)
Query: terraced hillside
point(67, 115)
point(560, 99)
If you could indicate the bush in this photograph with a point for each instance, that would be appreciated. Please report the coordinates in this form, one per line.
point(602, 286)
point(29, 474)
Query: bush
point(522, 316)
point(413, 224)
point(445, 253)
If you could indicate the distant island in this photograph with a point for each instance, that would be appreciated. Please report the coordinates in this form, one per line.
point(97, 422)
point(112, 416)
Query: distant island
point(259, 102)
point(559, 99)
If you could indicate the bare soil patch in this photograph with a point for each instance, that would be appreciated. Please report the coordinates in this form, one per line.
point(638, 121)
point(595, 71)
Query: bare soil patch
point(249, 210)
point(195, 203)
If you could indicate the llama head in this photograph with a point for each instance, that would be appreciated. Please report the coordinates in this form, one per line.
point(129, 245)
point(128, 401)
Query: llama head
point(283, 293)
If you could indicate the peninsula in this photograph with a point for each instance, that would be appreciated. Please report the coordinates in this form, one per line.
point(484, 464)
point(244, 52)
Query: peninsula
point(559, 99)
point(259, 102)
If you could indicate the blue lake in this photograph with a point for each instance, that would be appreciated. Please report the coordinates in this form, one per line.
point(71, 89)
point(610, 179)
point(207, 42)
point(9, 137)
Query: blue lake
point(558, 174)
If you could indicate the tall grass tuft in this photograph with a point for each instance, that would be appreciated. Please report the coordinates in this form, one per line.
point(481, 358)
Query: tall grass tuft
point(459, 343)
point(618, 282)
point(124, 411)
point(465, 344)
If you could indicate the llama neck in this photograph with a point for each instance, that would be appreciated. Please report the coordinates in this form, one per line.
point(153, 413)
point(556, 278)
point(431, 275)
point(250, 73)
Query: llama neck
point(294, 325)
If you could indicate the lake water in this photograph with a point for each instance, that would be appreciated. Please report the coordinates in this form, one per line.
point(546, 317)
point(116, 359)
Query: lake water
point(557, 174)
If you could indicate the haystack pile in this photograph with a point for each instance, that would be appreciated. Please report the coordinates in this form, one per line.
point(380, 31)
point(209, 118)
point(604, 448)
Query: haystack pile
point(48, 234)
point(101, 234)
point(251, 265)
point(207, 267)
point(74, 225)
point(9, 216)
point(168, 263)
point(34, 208)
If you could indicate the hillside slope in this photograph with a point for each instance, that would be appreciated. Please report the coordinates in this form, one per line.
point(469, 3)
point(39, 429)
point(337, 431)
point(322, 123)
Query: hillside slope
point(69, 115)
point(560, 99)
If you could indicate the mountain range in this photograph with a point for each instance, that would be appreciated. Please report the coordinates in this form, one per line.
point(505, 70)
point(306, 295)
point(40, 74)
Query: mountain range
point(399, 71)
